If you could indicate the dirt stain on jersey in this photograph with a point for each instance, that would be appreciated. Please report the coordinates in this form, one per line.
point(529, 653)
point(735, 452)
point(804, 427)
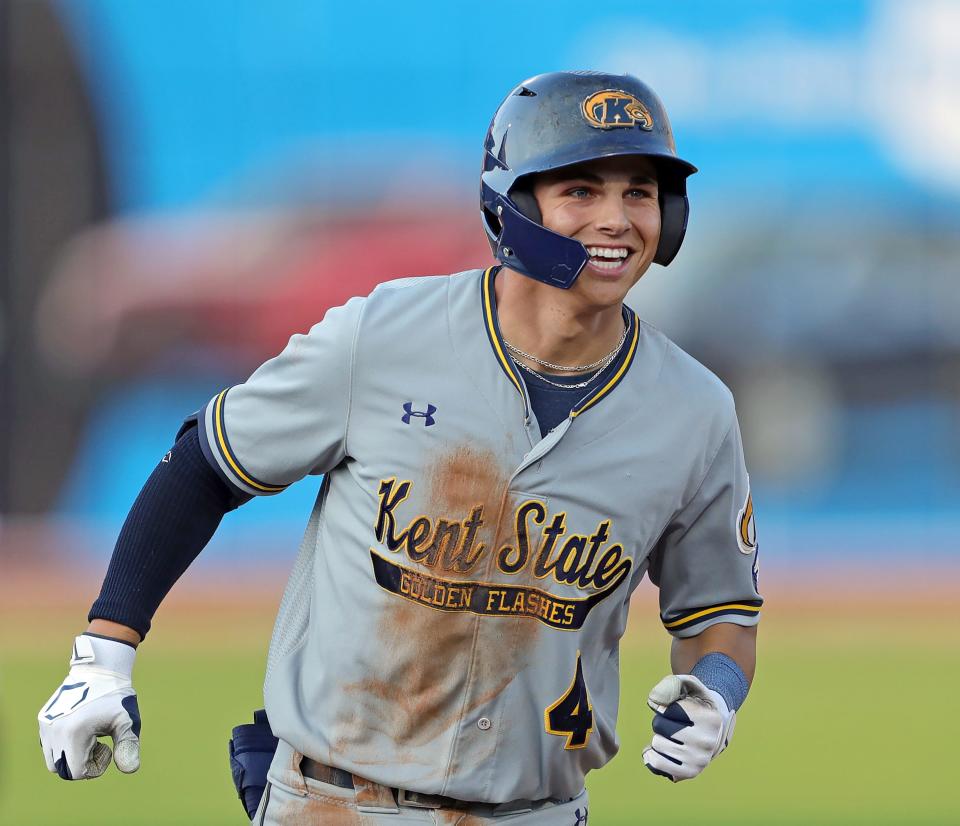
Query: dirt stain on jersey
point(464, 478)
point(512, 636)
point(423, 667)
point(502, 651)
point(420, 689)
point(417, 693)
point(461, 480)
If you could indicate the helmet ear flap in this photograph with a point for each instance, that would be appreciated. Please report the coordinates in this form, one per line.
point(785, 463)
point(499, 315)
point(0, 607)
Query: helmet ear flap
point(522, 195)
point(674, 211)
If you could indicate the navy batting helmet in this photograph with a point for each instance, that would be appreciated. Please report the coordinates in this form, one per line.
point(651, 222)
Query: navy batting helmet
point(563, 118)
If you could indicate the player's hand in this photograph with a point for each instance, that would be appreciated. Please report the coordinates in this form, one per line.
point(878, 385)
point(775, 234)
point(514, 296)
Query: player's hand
point(692, 725)
point(95, 700)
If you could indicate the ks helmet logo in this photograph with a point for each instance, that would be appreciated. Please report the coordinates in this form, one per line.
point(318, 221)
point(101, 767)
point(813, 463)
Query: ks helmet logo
point(612, 108)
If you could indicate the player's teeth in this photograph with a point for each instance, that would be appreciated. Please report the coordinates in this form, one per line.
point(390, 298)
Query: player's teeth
point(606, 265)
point(607, 252)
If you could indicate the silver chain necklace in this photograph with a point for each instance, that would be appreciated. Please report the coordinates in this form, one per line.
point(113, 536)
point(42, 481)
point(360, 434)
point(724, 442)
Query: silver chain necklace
point(562, 368)
point(561, 385)
point(602, 365)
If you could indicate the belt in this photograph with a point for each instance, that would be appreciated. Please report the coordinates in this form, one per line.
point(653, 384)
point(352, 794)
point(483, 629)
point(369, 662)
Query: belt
point(338, 777)
point(326, 774)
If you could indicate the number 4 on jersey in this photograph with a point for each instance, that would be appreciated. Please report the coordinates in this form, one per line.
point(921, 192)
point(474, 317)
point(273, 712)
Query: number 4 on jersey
point(572, 714)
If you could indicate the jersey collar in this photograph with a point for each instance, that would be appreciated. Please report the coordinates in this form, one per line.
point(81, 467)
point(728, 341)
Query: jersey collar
point(624, 360)
point(492, 326)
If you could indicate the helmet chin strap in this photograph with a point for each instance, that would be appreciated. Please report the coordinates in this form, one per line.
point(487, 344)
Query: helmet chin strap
point(528, 247)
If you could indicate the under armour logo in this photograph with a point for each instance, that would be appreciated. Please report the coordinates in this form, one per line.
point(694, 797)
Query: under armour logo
point(581, 818)
point(423, 414)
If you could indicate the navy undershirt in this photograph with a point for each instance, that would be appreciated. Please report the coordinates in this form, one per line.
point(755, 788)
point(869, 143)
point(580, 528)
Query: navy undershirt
point(171, 521)
point(551, 405)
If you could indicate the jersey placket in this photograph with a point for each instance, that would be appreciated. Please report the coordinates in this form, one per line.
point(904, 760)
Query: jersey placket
point(470, 727)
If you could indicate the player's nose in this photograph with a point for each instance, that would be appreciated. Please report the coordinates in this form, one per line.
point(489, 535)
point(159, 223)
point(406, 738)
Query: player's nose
point(611, 215)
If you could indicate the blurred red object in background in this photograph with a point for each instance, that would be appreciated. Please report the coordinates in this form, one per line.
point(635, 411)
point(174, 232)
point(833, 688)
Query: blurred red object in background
point(126, 293)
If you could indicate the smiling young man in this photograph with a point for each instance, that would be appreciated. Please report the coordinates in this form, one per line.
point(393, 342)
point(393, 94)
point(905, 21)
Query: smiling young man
point(609, 205)
point(506, 454)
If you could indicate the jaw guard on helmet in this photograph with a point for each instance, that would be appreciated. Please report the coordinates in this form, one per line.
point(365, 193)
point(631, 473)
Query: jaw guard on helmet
point(560, 119)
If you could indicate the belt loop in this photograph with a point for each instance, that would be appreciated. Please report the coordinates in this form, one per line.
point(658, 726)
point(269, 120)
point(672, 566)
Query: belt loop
point(374, 798)
point(285, 768)
point(296, 775)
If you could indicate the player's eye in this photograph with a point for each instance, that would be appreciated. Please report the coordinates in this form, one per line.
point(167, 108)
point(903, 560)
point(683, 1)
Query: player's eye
point(639, 193)
point(578, 192)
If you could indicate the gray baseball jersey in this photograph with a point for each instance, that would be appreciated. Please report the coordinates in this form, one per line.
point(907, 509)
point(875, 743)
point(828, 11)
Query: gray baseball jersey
point(452, 622)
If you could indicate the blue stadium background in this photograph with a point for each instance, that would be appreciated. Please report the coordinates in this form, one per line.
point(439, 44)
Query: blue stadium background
point(818, 277)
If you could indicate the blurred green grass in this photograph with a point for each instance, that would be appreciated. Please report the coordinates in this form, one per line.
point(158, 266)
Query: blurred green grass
point(852, 720)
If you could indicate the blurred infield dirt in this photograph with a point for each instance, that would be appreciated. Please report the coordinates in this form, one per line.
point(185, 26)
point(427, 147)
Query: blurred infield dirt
point(850, 719)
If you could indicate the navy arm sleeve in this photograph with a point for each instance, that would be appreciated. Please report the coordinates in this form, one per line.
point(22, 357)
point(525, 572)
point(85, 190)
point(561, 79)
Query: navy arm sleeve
point(171, 521)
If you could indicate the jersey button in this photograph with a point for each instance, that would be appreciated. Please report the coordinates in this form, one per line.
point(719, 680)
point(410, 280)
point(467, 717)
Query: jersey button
point(484, 724)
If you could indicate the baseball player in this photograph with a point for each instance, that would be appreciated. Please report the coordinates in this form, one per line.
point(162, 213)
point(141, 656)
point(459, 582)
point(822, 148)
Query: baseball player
point(505, 454)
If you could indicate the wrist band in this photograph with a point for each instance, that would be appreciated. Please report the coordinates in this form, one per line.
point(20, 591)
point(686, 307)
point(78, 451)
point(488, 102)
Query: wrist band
point(721, 674)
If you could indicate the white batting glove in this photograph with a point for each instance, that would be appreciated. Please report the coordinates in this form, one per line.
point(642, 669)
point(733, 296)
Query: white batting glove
point(692, 725)
point(96, 700)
